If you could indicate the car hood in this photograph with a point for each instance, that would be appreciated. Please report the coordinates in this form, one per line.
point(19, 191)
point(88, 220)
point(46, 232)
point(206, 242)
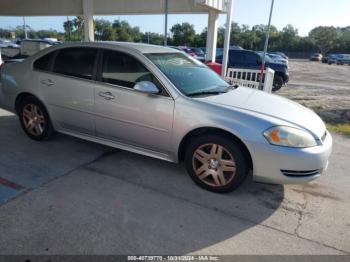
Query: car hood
point(270, 105)
point(277, 66)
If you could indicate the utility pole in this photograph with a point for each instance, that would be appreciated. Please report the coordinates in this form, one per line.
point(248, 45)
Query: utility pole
point(266, 45)
point(25, 28)
point(166, 23)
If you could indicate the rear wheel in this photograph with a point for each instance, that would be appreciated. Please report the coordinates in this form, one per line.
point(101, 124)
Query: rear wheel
point(216, 163)
point(34, 119)
point(277, 83)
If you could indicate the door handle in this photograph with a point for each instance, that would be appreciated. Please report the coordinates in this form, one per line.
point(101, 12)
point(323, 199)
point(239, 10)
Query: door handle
point(47, 82)
point(106, 95)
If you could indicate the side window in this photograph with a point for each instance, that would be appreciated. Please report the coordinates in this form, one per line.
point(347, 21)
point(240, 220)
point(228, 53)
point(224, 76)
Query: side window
point(237, 57)
point(77, 62)
point(124, 70)
point(43, 63)
point(252, 58)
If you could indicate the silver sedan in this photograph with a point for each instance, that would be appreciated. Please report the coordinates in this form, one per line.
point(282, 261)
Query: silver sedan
point(161, 103)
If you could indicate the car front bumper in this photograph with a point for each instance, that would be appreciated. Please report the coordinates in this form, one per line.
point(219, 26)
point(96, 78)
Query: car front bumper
point(284, 165)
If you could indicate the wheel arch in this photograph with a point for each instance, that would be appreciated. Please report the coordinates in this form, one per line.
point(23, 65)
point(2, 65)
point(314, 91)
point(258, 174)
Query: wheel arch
point(282, 75)
point(212, 131)
point(23, 95)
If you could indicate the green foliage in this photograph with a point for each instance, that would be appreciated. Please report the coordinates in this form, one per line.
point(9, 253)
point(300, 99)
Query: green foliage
point(183, 34)
point(104, 30)
point(323, 39)
point(126, 33)
point(153, 38)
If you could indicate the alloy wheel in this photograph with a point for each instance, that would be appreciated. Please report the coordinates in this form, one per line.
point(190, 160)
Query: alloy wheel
point(214, 165)
point(33, 119)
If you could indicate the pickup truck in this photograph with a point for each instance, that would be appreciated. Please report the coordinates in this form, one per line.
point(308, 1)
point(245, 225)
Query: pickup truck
point(247, 59)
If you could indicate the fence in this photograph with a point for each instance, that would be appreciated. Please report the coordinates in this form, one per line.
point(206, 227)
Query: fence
point(251, 78)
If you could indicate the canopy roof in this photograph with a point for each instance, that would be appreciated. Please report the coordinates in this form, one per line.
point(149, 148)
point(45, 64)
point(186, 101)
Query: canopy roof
point(106, 7)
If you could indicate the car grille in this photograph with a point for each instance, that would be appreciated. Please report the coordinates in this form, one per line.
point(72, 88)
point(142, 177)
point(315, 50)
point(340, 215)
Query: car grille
point(294, 173)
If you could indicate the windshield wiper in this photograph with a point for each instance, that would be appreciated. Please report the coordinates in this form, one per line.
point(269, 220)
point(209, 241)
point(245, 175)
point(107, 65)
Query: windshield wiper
point(206, 93)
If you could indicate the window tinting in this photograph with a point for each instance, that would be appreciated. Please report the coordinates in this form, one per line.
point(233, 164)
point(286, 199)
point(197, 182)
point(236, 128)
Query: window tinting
point(236, 57)
point(251, 57)
point(78, 62)
point(43, 63)
point(123, 70)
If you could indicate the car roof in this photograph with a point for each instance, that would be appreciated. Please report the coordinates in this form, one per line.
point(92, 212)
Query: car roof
point(143, 48)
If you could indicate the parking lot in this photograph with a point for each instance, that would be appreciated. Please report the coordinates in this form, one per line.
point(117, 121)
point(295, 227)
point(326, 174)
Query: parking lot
point(322, 87)
point(68, 196)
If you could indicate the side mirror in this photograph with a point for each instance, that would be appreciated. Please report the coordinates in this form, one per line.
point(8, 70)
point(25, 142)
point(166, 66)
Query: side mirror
point(146, 87)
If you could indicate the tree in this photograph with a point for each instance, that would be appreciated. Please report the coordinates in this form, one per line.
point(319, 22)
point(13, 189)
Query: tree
point(126, 33)
point(249, 38)
point(51, 33)
point(153, 38)
point(78, 23)
point(5, 33)
point(68, 27)
point(324, 37)
point(288, 38)
point(104, 30)
point(183, 34)
point(236, 31)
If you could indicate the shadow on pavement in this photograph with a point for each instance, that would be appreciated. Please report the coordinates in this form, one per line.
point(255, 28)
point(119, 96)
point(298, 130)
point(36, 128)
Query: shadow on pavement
point(121, 204)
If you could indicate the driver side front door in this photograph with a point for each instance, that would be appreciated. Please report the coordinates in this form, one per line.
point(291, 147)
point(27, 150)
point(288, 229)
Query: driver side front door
point(125, 115)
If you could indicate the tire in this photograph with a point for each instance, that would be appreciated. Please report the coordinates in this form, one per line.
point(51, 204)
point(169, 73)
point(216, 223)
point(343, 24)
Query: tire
point(208, 170)
point(277, 83)
point(34, 119)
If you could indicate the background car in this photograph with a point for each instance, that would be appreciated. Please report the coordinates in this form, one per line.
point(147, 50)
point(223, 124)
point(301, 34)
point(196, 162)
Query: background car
point(332, 59)
point(247, 59)
point(30, 47)
point(280, 54)
point(198, 53)
point(275, 58)
point(343, 59)
point(316, 57)
point(7, 43)
point(220, 52)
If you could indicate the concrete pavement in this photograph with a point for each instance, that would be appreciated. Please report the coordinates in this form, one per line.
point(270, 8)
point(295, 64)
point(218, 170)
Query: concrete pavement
point(78, 197)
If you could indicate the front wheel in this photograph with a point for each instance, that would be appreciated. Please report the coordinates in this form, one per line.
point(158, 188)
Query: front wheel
point(277, 83)
point(216, 163)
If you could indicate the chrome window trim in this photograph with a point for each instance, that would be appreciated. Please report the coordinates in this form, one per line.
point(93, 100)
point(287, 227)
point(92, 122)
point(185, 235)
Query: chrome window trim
point(94, 76)
point(132, 90)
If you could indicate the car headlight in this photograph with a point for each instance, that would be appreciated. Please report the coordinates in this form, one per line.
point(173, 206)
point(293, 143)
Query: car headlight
point(289, 137)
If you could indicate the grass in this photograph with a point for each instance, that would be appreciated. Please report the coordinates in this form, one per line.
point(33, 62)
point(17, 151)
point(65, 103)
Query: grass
point(339, 128)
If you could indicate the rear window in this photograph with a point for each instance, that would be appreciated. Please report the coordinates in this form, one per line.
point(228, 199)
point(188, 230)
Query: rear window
point(43, 63)
point(77, 62)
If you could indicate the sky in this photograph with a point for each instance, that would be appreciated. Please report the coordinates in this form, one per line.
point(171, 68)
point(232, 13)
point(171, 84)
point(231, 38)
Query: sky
point(302, 14)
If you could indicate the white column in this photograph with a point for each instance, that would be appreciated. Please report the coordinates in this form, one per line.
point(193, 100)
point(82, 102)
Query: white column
point(88, 11)
point(227, 36)
point(212, 37)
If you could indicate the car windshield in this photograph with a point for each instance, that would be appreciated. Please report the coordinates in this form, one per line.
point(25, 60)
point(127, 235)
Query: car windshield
point(188, 75)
